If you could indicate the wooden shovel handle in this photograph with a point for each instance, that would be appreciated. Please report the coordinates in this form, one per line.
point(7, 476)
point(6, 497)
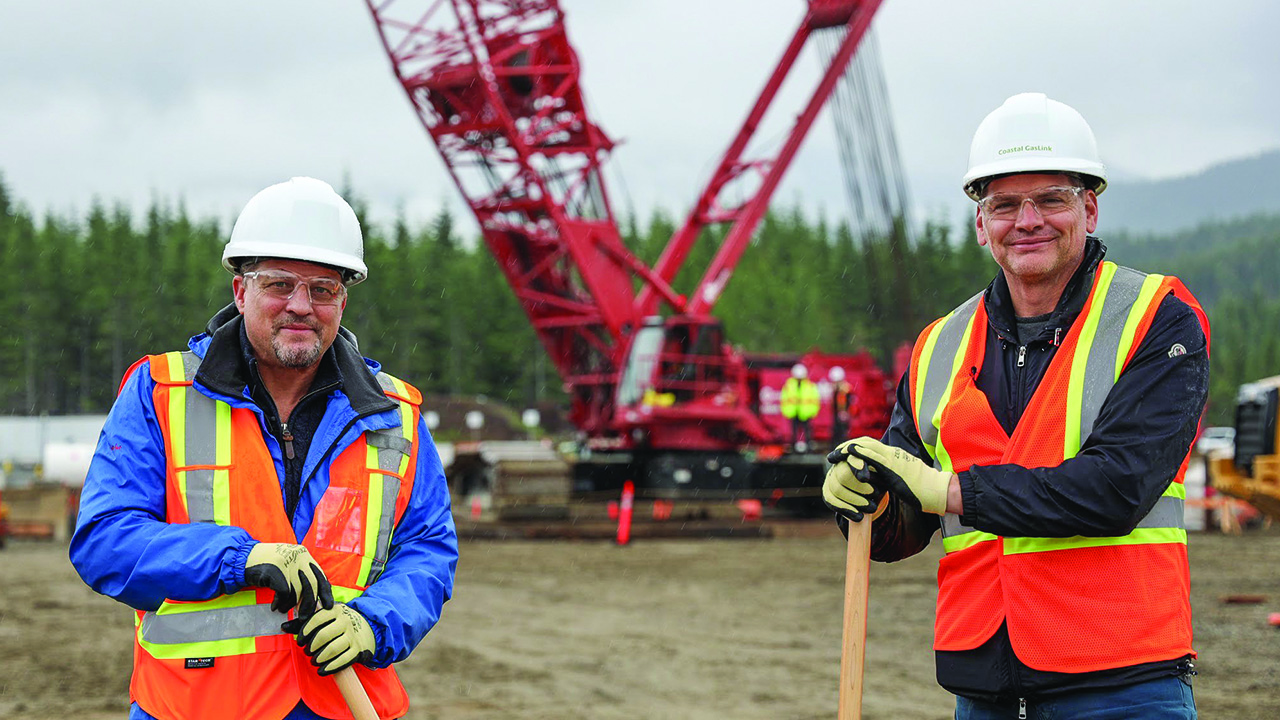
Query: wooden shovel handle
point(854, 640)
point(353, 692)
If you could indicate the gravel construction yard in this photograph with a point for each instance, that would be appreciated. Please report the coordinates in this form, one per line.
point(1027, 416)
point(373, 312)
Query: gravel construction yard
point(659, 629)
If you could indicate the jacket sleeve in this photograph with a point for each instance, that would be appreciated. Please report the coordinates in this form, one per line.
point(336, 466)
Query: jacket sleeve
point(404, 603)
point(122, 546)
point(902, 531)
point(1139, 442)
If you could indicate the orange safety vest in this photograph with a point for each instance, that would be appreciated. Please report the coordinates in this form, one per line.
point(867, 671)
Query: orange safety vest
point(1074, 604)
point(226, 657)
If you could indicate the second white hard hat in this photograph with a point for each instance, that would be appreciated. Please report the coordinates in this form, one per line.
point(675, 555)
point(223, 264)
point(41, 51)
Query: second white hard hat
point(835, 374)
point(1030, 133)
point(302, 219)
point(799, 371)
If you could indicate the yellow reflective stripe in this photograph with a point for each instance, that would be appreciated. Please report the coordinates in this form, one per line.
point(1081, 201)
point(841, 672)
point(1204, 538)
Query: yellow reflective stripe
point(373, 515)
point(178, 437)
point(1149, 287)
point(942, 456)
point(1176, 490)
point(1140, 536)
point(211, 648)
point(345, 594)
point(177, 371)
point(222, 476)
point(966, 540)
point(243, 598)
point(922, 371)
point(1075, 385)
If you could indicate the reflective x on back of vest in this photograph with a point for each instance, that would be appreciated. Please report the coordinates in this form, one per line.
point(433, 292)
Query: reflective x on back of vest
point(986, 579)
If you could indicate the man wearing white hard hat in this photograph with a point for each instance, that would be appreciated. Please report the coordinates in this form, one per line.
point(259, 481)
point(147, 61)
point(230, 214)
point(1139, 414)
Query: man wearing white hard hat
point(269, 502)
point(1043, 427)
point(800, 402)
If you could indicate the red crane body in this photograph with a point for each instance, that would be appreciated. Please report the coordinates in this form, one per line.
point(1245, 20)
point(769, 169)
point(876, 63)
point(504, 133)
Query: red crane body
point(496, 85)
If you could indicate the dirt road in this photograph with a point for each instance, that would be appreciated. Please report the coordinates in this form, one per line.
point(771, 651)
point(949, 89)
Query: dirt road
point(662, 629)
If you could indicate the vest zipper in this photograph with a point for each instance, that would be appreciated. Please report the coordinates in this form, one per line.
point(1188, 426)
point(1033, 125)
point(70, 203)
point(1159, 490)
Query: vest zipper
point(288, 440)
point(1022, 709)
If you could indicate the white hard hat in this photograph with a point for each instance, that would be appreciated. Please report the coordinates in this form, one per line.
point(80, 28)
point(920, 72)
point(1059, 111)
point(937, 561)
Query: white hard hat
point(1030, 133)
point(799, 370)
point(302, 219)
point(835, 374)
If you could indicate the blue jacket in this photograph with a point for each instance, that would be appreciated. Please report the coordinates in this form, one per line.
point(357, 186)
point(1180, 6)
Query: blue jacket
point(124, 549)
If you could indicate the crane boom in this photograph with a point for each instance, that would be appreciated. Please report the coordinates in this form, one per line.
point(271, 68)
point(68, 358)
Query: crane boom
point(495, 83)
point(854, 16)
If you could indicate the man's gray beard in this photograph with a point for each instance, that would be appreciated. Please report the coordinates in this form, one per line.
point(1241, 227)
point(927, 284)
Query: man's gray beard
point(295, 357)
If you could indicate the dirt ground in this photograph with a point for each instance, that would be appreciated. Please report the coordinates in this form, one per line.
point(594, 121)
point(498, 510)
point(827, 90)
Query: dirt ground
point(661, 629)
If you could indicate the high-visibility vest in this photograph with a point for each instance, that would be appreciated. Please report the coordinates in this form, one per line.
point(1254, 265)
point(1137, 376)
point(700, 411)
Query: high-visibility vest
point(1073, 604)
point(799, 399)
point(226, 657)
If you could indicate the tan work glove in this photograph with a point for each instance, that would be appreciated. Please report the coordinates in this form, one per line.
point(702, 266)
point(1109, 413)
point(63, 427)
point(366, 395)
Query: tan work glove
point(903, 474)
point(845, 489)
point(294, 575)
point(334, 638)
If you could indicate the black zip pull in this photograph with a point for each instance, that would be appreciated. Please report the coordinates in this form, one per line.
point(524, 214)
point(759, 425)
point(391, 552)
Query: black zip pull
point(1022, 709)
point(288, 440)
point(1022, 355)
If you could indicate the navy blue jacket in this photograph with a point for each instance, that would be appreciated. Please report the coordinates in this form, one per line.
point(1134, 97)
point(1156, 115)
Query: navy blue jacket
point(1142, 434)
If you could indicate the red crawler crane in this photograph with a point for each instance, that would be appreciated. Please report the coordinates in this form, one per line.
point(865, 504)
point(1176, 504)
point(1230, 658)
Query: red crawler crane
point(662, 399)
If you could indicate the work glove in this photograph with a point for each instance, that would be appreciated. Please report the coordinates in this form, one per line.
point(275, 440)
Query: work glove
point(903, 474)
point(333, 638)
point(846, 490)
point(292, 573)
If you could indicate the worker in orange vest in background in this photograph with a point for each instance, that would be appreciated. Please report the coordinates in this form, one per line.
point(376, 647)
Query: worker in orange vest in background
point(842, 401)
point(800, 403)
point(269, 502)
point(1043, 427)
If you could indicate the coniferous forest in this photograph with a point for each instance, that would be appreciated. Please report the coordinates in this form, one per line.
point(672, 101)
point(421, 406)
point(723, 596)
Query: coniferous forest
point(87, 296)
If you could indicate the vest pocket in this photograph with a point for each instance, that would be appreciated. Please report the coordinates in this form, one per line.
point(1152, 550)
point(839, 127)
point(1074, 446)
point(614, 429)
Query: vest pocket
point(339, 521)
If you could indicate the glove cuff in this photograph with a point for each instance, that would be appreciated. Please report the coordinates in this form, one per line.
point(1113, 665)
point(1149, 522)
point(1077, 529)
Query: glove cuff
point(933, 495)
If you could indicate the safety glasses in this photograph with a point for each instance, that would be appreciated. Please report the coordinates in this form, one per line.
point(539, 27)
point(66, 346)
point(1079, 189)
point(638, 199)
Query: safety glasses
point(282, 284)
point(1046, 201)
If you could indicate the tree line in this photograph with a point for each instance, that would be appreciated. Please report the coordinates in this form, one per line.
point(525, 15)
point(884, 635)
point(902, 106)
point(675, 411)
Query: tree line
point(89, 296)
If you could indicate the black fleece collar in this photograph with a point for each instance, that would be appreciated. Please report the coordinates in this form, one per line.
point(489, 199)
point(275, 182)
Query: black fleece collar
point(999, 302)
point(225, 367)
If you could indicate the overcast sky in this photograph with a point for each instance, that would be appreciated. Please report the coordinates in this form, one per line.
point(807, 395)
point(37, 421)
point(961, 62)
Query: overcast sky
point(209, 102)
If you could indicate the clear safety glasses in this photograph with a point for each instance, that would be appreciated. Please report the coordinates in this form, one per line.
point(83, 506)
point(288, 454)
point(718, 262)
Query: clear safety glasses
point(282, 284)
point(1047, 201)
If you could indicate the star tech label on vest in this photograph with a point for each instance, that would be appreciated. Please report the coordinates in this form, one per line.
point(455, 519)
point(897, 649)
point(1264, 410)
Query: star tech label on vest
point(199, 663)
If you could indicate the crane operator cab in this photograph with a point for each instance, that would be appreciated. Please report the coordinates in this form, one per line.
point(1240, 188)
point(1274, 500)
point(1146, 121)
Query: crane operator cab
point(674, 361)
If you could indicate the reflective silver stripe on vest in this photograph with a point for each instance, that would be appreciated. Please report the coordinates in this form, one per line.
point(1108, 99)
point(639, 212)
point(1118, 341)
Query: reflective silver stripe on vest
point(387, 385)
point(390, 490)
point(1100, 370)
point(1167, 513)
point(211, 625)
point(392, 446)
point(951, 526)
point(201, 445)
point(938, 373)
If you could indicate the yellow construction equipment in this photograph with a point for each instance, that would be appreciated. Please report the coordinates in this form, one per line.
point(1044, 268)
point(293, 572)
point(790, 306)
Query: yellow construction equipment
point(1253, 473)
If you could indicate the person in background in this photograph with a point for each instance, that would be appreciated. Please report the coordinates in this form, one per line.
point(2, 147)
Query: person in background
point(800, 404)
point(842, 400)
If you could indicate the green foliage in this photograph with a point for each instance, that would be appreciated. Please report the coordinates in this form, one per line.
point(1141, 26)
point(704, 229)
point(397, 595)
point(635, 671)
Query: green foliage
point(91, 296)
